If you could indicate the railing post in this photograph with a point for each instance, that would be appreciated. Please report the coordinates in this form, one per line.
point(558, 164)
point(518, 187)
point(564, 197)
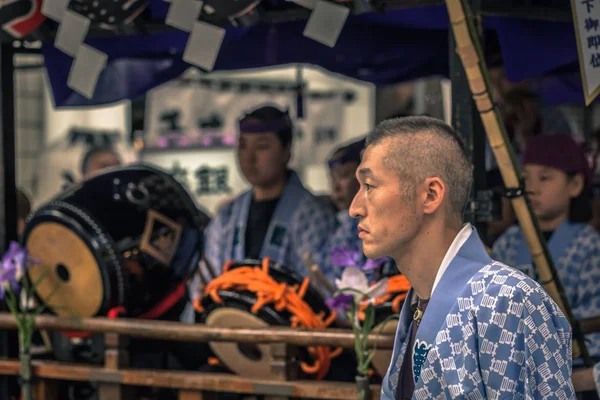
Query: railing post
point(283, 366)
point(46, 390)
point(191, 395)
point(115, 357)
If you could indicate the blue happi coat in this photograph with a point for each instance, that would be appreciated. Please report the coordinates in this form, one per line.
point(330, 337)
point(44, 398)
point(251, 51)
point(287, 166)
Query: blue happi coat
point(300, 224)
point(489, 332)
point(575, 250)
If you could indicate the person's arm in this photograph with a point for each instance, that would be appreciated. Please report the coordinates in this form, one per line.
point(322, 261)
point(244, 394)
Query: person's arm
point(582, 285)
point(314, 223)
point(214, 243)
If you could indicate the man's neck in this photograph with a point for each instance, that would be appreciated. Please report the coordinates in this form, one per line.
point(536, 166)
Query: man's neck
point(420, 263)
point(270, 191)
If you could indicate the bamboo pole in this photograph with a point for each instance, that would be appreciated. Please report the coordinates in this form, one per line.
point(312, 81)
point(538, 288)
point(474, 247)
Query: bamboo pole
point(469, 50)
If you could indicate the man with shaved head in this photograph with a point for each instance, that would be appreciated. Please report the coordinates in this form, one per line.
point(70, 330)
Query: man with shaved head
point(471, 328)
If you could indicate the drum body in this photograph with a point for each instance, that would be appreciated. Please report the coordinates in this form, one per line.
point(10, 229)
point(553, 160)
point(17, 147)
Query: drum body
point(387, 313)
point(108, 14)
point(386, 326)
point(122, 238)
point(234, 306)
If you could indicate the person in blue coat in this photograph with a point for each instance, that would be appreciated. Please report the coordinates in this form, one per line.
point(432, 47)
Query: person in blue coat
point(471, 328)
point(278, 217)
point(557, 178)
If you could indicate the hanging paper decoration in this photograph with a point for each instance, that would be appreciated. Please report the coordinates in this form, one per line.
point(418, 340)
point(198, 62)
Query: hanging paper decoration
point(75, 18)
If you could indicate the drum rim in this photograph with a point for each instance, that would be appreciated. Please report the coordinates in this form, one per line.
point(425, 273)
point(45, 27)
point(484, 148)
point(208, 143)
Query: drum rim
point(311, 292)
point(244, 298)
point(57, 212)
point(199, 212)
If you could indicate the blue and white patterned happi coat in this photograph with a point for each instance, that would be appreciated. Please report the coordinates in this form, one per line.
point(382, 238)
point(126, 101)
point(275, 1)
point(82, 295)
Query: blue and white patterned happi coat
point(575, 250)
point(489, 332)
point(301, 223)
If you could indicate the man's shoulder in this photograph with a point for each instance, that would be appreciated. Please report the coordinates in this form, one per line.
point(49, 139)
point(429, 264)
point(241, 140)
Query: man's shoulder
point(225, 211)
point(311, 207)
point(500, 281)
point(498, 288)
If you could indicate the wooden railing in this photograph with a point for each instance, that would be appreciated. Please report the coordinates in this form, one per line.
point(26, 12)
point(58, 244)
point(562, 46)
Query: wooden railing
point(115, 379)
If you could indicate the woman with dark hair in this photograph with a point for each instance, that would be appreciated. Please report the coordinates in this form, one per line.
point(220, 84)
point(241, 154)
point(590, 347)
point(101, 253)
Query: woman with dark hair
point(558, 179)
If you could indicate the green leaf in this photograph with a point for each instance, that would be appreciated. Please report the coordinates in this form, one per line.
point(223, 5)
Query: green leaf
point(370, 357)
point(383, 325)
point(356, 331)
point(13, 307)
point(43, 275)
point(369, 320)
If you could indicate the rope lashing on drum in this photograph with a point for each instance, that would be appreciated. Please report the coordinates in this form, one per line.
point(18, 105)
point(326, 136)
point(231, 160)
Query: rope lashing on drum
point(155, 312)
point(284, 297)
point(397, 289)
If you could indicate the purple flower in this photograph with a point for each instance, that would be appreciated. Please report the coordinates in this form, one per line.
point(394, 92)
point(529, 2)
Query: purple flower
point(347, 257)
point(340, 303)
point(12, 268)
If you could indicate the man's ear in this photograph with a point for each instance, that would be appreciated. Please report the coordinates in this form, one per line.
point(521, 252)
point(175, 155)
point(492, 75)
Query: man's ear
point(434, 194)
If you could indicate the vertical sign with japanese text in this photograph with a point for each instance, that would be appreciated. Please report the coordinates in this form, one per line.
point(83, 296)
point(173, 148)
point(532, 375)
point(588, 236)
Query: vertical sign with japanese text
point(586, 17)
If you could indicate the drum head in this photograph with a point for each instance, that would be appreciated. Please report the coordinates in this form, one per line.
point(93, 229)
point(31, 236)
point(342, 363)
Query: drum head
point(382, 358)
point(72, 283)
point(245, 359)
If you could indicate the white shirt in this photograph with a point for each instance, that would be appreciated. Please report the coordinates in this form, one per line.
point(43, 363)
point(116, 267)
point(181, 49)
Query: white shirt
point(457, 243)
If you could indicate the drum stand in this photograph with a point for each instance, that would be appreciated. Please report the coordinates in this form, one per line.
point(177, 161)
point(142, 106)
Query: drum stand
point(317, 275)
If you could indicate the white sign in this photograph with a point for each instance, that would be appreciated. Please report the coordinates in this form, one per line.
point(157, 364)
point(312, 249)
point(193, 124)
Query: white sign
point(204, 120)
point(192, 116)
point(586, 18)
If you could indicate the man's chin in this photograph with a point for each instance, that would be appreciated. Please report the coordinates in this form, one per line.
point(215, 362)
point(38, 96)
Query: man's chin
point(371, 253)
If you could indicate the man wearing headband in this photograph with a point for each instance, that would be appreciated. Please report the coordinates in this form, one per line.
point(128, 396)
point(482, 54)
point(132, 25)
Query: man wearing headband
point(277, 217)
point(342, 169)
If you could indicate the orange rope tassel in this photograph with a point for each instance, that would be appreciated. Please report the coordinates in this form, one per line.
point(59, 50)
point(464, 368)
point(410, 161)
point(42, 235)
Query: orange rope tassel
point(397, 289)
point(283, 297)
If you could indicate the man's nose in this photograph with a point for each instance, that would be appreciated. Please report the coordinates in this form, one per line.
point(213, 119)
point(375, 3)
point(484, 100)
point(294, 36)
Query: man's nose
point(357, 208)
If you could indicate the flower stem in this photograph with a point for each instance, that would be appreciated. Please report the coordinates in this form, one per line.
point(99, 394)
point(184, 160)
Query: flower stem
point(25, 358)
point(363, 391)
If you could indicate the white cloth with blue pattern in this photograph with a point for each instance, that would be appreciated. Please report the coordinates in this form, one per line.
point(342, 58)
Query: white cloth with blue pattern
point(575, 251)
point(300, 224)
point(489, 332)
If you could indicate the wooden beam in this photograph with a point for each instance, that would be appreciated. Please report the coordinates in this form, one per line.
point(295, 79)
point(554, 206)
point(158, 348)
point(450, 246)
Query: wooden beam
point(189, 381)
point(176, 331)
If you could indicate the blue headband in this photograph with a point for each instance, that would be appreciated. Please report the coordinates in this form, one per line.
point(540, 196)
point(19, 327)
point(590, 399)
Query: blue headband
point(251, 125)
point(349, 153)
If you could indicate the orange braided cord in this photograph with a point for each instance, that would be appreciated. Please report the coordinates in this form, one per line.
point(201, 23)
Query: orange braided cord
point(283, 297)
point(397, 289)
